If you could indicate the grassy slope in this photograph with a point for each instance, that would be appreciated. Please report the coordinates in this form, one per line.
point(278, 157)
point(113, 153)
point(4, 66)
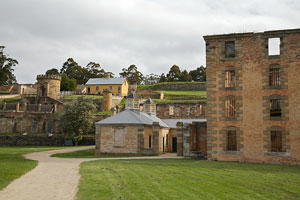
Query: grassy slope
point(13, 165)
point(87, 154)
point(187, 179)
point(182, 97)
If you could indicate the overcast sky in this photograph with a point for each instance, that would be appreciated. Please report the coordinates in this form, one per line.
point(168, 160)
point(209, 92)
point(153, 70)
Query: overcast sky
point(152, 34)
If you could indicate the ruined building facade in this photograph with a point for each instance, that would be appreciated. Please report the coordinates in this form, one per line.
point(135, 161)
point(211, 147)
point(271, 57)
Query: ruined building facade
point(253, 109)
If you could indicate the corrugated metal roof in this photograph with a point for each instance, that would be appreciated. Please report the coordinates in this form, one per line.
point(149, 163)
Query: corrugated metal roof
point(132, 117)
point(172, 122)
point(105, 81)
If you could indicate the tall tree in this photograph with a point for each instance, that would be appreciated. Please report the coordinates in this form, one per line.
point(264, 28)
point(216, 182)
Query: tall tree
point(95, 71)
point(198, 74)
point(73, 70)
point(77, 117)
point(132, 74)
point(52, 71)
point(185, 76)
point(162, 78)
point(174, 74)
point(67, 84)
point(151, 79)
point(6, 68)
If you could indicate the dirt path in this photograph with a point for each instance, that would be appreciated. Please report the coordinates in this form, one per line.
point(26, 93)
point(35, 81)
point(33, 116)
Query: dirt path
point(53, 178)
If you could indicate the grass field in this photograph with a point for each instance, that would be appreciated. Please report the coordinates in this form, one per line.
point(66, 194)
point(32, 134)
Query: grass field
point(88, 154)
point(182, 97)
point(13, 165)
point(187, 179)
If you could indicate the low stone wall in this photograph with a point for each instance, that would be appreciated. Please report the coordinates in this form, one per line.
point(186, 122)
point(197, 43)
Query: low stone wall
point(148, 93)
point(181, 87)
point(39, 140)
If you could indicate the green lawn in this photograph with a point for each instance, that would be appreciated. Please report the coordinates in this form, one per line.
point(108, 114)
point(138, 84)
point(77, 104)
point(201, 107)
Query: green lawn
point(13, 164)
point(182, 97)
point(88, 154)
point(187, 179)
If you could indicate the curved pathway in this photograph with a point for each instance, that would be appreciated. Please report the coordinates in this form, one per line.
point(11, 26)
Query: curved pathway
point(53, 178)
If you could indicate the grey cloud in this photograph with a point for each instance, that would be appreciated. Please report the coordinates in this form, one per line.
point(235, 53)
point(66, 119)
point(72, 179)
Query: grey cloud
point(152, 34)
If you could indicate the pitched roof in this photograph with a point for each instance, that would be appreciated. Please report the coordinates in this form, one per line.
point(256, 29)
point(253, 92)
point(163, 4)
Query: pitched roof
point(132, 117)
point(149, 101)
point(132, 95)
point(172, 122)
point(105, 81)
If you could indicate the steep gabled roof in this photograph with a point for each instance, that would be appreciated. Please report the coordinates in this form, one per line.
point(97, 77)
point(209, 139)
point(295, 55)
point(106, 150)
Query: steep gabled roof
point(105, 81)
point(132, 117)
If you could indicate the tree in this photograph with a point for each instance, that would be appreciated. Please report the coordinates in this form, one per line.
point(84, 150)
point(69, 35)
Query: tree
point(73, 70)
point(162, 78)
point(132, 74)
point(67, 84)
point(6, 68)
point(185, 76)
point(52, 71)
point(77, 117)
point(151, 79)
point(199, 74)
point(174, 74)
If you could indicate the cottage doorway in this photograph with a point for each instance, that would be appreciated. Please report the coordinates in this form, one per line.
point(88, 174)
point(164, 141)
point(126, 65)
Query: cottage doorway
point(174, 144)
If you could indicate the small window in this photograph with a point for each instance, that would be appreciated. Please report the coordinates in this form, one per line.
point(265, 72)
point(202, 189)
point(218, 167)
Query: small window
point(231, 141)
point(275, 108)
point(229, 78)
point(171, 110)
point(274, 77)
point(119, 89)
point(97, 88)
point(276, 141)
point(230, 108)
point(230, 49)
point(274, 46)
point(110, 88)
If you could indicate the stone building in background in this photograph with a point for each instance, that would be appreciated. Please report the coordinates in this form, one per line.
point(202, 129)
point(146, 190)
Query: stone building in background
point(253, 110)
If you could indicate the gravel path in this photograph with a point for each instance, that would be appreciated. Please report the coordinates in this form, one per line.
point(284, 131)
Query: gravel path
point(53, 178)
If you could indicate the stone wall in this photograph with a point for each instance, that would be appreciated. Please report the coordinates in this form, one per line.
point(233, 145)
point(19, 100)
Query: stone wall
point(39, 140)
point(181, 110)
point(181, 87)
point(28, 123)
point(253, 124)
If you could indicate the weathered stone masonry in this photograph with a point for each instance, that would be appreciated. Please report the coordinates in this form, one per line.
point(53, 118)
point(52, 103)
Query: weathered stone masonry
point(252, 123)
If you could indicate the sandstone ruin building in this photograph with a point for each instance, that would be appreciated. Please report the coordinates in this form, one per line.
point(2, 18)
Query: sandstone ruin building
point(253, 96)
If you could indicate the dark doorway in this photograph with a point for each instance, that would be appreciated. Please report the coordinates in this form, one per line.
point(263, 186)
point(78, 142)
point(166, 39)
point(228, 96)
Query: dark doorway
point(150, 146)
point(163, 144)
point(89, 90)
point(43, 91)
point(174, 144)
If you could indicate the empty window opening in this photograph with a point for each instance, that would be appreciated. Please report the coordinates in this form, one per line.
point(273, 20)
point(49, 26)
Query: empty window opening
point(275, 108)
point(150, 145)
point(230, 108)
point(229, 79)
point(231, 141)
point(274, 46)
point(97, 88)
point(276, 141)
point(274, 77)
point(230, 49)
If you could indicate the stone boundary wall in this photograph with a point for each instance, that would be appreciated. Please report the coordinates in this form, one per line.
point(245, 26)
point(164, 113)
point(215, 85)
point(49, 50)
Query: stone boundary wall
point(181, 87)
point(39, 140)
